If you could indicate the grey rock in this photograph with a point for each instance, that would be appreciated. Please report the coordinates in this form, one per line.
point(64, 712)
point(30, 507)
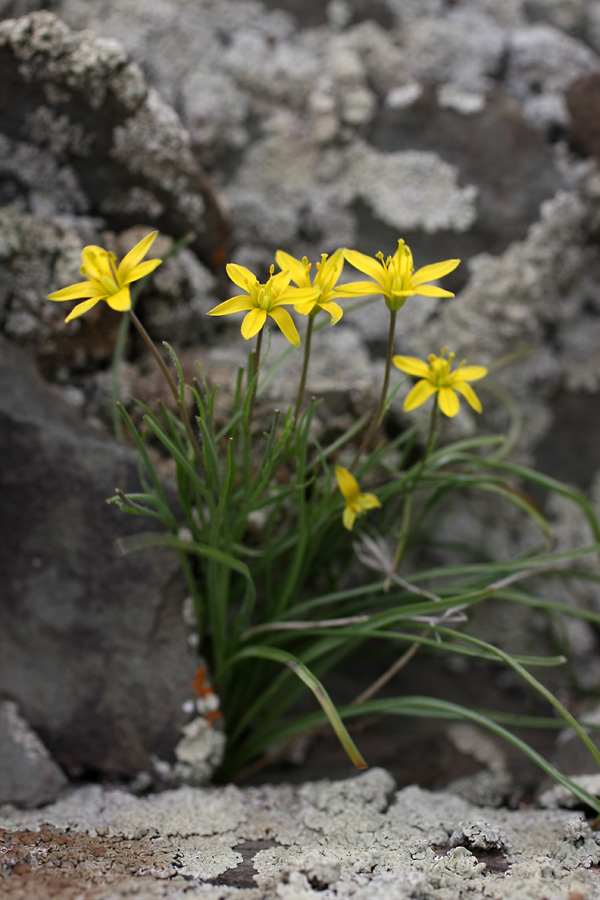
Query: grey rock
point(542, 59)
point(85, 112)
point(93, 647)
point(566, 15)
point(28, 774)
point(464, 47)
point(355, 839)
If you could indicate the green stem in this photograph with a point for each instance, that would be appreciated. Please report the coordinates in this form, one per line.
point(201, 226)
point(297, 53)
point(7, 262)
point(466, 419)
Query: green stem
point(377, 417)
point(406, 514)
point(177, 396)
point(255, 374)
point(307, 340)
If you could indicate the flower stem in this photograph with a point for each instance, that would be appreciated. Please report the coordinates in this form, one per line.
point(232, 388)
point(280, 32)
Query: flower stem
point(256, 358)
point(183, 415)
point(378, 415)
point(400, 549)
point(307, 340)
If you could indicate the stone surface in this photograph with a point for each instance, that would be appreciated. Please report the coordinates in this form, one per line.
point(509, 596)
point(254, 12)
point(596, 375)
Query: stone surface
point(88, 118)
point(28, 775)
point(358, 839)
point(93, 647)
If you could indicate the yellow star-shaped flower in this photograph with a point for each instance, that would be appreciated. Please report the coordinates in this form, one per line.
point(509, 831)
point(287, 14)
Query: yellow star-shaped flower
point(357, 504)
point(105, 280)
point(395, 277)
point(325, 280)
point(262, 300)
point(437, 378)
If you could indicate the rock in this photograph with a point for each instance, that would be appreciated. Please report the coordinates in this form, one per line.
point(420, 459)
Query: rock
point(583, 104)
point(87, 116)
point(28, 774)
point(93, 647)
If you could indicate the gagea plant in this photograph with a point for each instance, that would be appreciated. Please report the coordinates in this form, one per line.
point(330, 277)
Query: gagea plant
point(296, 555)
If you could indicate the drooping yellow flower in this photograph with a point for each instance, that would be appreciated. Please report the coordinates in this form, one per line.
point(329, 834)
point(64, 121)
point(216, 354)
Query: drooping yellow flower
point(395, 277)
point(357, 504)
point(328, 272)
point(262, 300)
point(436, 378)
point(107, 281)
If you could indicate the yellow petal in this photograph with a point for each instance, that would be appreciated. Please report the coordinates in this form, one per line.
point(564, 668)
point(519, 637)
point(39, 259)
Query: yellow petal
point(411, 365)
point(348, 518)
point(135, 255)
point(368, 501)
point(286, 323)
point(242, 276)
point(95, 262)
point(430, 290)
point(365, 264)
point(329, 272)
point(280, 282)
point(241, 303)
point(347, 484)
point(77, 291)
point(140, 271)
point(434, 271)
point(304, 309)
point(294, 266)
point(121, 301)
point(469, 394)
point(335, 312)
point(292, 295)
point(421, 392)
point(253, 322)
point(468, 373)
point(448, 401)
point(356, 289)
point(81, 308)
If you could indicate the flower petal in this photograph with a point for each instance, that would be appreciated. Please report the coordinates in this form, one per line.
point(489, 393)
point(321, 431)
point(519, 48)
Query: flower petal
point(121, 301)
point(329, 272)
point(434, 271)
point(349, 518)
point(347, 484)
point(468, 373)
point(77, 291)
point(286, 323)
point(135, 256)
point(357, 289)
point(335, 312)
point(430, 290)
point(82, 308)
point(141, 271)
point(421, 392)
point(253, 322)
point(95, 262)
point(292, 295)
point(294, 266)
point(304, 309)
point(469, 394)
point(241, 303)
point(368, 501)
point(365, 264)
point(412, 366)
point(448, 401)
point(242, 276)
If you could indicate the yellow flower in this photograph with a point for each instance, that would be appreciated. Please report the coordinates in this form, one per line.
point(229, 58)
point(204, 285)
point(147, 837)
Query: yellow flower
point(329, 270)
point(395, 276)
point(262, 300)
point(356, 503)
point(436, 378)
point(106, 281)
